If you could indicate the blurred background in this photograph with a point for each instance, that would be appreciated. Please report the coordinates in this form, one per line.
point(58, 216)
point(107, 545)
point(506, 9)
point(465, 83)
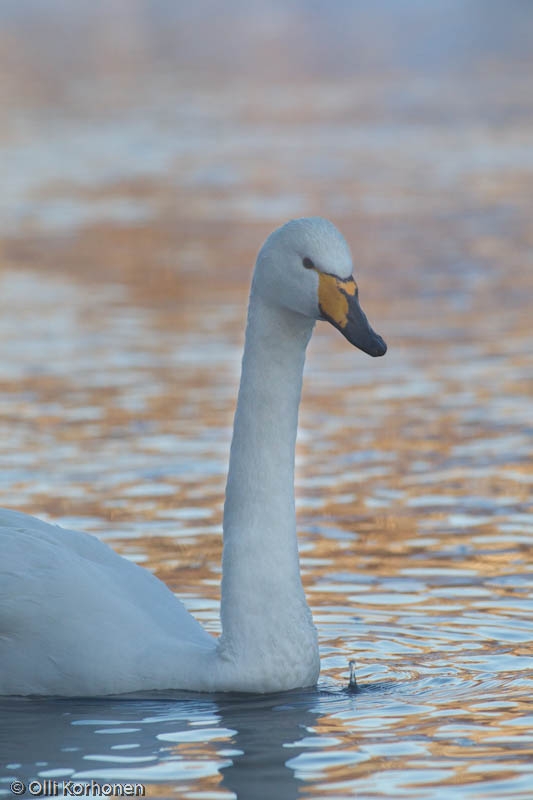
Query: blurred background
point(146, 150)
point(146, 141)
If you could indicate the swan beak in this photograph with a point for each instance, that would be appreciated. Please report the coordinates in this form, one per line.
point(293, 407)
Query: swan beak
point(339, 304)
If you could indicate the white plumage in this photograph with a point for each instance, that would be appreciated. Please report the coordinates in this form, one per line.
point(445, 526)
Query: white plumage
point(77, 619)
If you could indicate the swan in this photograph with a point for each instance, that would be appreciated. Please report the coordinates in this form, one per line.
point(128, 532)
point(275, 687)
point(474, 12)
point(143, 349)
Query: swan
point(77, 619)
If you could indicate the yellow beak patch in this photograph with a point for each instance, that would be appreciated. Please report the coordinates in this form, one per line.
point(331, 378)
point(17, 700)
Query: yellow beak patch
point(333, 296)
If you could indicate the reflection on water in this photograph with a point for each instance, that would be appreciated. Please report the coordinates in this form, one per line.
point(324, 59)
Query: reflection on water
point(419, 569)
point(139, 183)
point(255, 744)
point(387, 738)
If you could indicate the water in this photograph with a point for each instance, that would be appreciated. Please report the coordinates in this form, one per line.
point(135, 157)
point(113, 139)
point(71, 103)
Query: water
point(139, 191)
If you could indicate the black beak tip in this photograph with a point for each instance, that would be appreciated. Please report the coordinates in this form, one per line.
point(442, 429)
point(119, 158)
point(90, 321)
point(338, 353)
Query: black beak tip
point(379, 348)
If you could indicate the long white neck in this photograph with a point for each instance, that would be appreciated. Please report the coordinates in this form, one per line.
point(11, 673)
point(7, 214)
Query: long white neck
point(263, 610)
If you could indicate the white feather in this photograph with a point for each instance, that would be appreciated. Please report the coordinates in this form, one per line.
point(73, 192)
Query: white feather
point(77, 619)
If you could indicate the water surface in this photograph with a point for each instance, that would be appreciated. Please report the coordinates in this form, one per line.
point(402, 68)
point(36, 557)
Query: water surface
point(141, 182)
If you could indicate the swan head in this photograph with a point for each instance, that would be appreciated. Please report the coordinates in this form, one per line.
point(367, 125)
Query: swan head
point(306, 266)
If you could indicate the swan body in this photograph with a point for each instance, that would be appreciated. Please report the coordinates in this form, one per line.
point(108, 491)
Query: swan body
point(77, 619)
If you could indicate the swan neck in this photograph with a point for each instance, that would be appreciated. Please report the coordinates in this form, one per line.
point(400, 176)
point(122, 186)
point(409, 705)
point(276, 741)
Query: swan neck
point(261, 575)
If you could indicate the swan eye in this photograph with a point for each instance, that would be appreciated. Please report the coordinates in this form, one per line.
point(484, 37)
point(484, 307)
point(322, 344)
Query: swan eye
point(308, 264)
